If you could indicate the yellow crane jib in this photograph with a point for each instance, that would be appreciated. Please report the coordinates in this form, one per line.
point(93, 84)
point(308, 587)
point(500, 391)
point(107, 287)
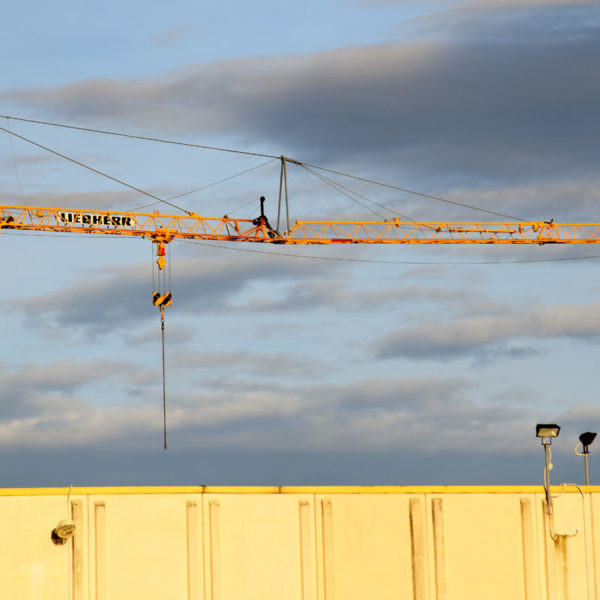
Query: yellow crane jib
point(166, 228)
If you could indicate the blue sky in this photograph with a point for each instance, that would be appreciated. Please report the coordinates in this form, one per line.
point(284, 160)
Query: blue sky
point(415, 365)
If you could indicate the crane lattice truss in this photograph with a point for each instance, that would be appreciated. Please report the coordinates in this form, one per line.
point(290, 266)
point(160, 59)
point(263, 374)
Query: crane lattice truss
point(166, 228)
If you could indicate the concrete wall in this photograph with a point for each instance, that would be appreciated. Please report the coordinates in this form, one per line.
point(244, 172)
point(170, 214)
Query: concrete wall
point(367, 543)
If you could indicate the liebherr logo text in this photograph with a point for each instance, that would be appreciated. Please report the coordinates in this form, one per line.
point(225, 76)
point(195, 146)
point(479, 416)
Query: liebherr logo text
point(83, 219)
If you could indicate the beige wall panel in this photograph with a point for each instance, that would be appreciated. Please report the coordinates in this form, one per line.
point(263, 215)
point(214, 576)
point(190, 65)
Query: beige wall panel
point(139, 544)
point(259, 547)
point(364, 547)
point(483, 547)
point(31, 566)
point(571, 552)
point(300, 544)
point(79, 548)
point(593, 533)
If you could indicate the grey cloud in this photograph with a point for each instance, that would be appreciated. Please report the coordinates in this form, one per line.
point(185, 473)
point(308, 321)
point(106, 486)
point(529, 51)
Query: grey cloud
point(493, 4)
point(342, 293)
point(31, 391)
point(456, 109)
point(171, 36)
point(107, 301)
point(266, 365)
point(467, 336)
point(427, 415)
point(504, 19)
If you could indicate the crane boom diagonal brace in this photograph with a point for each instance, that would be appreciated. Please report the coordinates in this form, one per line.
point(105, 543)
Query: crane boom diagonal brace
point(165, 228)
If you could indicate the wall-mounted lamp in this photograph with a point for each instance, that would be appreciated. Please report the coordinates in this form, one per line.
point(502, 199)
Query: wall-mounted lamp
point(586, 439)
point(547, 431)
point(62, 532)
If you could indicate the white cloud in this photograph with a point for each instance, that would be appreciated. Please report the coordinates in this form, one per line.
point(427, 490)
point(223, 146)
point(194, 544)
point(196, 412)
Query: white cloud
point(467, 336)
point(432, 414)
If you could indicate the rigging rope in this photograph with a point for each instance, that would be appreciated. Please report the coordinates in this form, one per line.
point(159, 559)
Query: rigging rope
point(393, 262)
point(415, 193)
point(343, 187)
point(339, 189)
point(14, 156)
point(272, 156)
point(203, 187)
point(326, 258)
point(141, 137)
point(119, 181)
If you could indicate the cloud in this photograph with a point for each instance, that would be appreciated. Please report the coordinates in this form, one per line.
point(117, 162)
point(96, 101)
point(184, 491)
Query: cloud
point(278, 365)
point(521, 109)
point(433, 414)
point(33, 390)
point(493, 4)
point(506, 21)
point(171, 36)
point(433, 339)
point(110, 300)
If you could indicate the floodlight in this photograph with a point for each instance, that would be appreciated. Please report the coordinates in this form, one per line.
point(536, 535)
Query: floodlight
point(547, 430)
point(586, 440)
point(63, 531)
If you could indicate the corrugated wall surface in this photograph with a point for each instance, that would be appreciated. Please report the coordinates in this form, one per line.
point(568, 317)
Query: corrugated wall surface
point(301, 544)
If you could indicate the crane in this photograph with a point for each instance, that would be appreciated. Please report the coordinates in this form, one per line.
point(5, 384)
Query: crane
point(161, 229)
point(164, 228)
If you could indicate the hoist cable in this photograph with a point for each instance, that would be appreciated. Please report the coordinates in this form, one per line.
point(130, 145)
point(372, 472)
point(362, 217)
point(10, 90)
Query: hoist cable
point(119, 181)
point(169, 265)
point(164, 377)
point(152, 261)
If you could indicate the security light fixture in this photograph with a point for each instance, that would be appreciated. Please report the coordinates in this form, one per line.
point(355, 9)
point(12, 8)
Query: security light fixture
point(62, 532)
point(586, 439)
point(546, 431)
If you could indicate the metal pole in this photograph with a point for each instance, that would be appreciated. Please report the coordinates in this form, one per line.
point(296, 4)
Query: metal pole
point(587, 469)
point(547, 480)
point(280, 189)
point(287, 206)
